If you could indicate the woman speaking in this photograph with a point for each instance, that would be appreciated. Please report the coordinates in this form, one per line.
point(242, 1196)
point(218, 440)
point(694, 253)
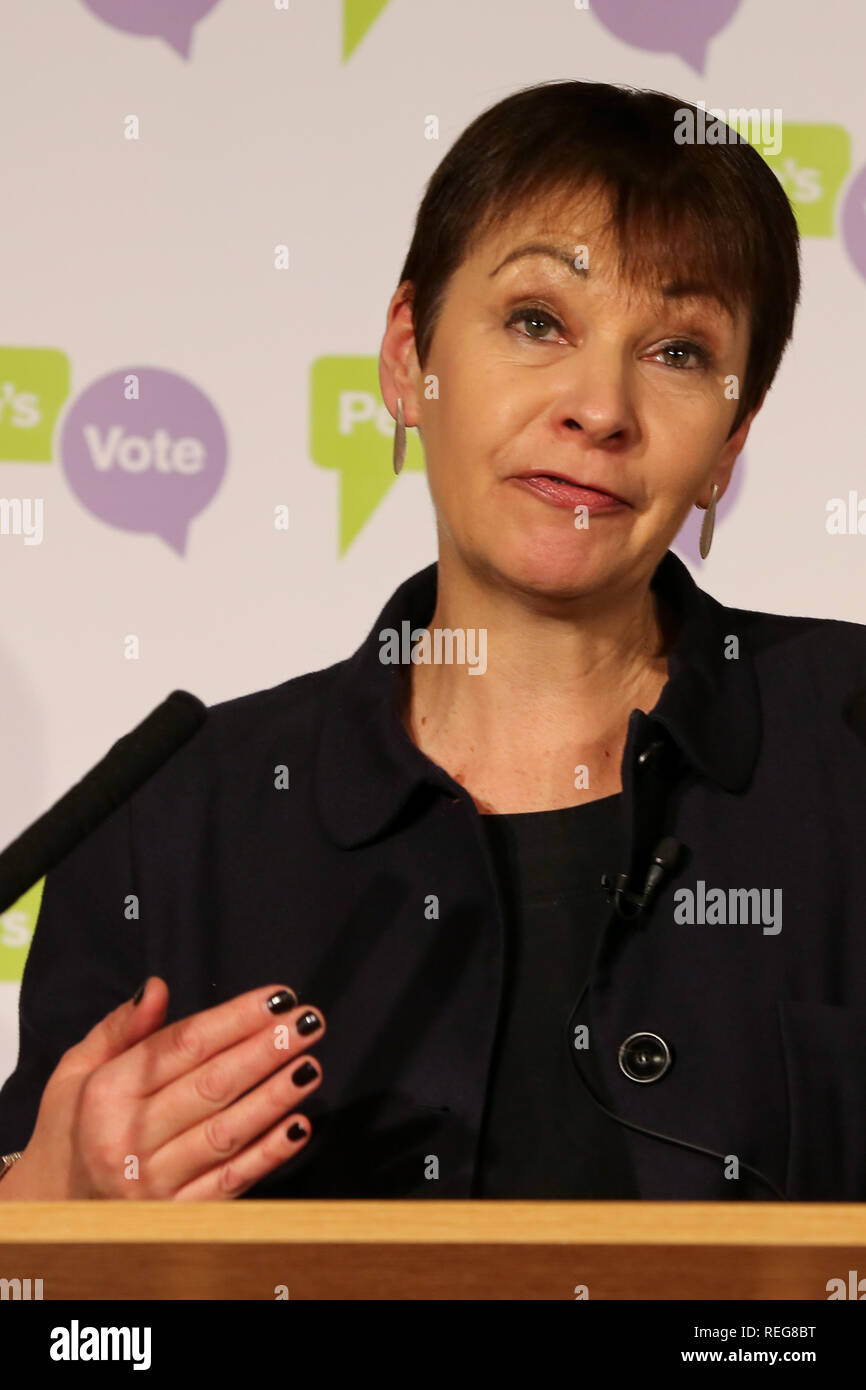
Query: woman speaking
point(552, 889)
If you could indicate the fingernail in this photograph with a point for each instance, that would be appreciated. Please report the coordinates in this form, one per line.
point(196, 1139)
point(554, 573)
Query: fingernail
point(282, 1001)
point(308, 1023)
point(296, 1132)
point(139, 993)
point(305, 1073)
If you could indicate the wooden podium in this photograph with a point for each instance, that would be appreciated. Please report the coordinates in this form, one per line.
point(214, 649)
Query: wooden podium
point(432, 1249)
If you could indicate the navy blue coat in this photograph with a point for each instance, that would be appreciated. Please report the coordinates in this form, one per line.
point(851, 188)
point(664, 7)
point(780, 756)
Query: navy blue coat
point(756, 764)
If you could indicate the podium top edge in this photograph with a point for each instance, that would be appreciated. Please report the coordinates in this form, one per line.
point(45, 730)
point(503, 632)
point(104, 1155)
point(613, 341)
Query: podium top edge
point(434, 1222)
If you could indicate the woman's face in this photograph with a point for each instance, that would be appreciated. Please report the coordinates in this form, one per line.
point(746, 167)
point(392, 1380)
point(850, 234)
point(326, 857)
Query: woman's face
point(539, 368)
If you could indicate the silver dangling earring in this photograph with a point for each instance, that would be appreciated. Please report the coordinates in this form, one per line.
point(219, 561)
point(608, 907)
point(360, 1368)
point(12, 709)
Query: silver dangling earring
point(709, 523)
point(399, 438)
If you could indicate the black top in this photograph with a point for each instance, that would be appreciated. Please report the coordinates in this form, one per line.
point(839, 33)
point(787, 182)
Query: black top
point(542, 1134)
point(364, 886)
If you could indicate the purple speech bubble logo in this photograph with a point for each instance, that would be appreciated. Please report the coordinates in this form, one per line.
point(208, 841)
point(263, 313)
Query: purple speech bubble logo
point(172, 20)
point(854, 222)
point(678, 26)
point(150, 464)
point(688, 540)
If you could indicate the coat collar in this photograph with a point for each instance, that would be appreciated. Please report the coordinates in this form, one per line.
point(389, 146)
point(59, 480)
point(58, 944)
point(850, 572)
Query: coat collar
point(367, 767)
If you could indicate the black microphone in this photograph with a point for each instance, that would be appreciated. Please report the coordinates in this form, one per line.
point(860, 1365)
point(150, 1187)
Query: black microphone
point(664, 858)
point(125, 767)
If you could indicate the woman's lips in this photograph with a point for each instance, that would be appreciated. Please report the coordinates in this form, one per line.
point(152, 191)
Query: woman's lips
point(561, 494)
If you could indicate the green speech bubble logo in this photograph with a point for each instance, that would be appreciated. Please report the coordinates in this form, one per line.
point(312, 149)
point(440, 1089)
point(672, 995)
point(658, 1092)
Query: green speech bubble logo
point(17, 925)
point(811, 166)
point(352, 431)
point(358, 15)
point(34, 383)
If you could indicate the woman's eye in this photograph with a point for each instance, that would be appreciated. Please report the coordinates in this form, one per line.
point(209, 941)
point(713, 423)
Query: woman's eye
point(538, 318)
point(529, 314)
point(683, 349)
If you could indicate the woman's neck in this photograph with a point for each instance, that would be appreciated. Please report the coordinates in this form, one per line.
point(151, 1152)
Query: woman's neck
point(544, 725)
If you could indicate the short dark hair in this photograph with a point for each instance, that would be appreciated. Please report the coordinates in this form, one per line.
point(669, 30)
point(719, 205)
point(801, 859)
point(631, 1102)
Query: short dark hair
point(712, 212)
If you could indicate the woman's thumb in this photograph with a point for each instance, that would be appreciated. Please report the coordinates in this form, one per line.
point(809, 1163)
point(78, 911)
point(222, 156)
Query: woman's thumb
point(126, 1025)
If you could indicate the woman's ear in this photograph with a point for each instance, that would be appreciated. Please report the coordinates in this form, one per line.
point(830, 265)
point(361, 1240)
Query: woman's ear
point(733, 447)
point(399, 370)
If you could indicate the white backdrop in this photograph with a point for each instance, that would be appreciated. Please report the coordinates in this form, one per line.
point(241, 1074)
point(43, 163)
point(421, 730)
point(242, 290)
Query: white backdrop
point(153, 166)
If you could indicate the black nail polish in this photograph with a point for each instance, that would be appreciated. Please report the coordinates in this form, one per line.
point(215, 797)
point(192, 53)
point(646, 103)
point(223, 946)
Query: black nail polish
point(139, 993)
point(296, 1132)
point(308, 1023)
point(305, 1074)
point(282, 1001)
